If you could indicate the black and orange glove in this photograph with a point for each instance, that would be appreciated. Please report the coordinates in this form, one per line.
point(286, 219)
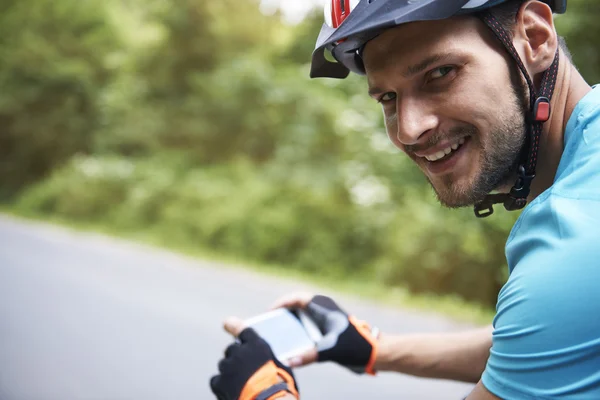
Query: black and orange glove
point(346, 340)
point(250, 371)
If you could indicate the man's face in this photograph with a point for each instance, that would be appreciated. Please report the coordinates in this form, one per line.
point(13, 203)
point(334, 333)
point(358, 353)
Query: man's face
point(451, 103)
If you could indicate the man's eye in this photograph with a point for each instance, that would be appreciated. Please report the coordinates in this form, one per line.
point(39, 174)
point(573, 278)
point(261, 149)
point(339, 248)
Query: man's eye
point(389, 96)
point(440, 72)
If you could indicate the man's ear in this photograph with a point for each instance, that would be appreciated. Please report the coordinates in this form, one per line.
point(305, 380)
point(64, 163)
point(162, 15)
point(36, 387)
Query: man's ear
point(535, 37)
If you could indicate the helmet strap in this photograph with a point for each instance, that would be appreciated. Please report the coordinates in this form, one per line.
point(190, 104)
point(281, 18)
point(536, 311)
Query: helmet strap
point(539, 112)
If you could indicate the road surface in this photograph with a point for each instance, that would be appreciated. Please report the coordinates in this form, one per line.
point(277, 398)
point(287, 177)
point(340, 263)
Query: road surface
point(84, 316)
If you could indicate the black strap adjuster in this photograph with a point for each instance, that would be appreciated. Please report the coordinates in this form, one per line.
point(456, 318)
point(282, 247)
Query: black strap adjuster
point(522, 186)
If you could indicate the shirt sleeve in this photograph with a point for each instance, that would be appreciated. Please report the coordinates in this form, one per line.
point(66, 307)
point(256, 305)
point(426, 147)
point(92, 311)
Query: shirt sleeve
point(546, 340)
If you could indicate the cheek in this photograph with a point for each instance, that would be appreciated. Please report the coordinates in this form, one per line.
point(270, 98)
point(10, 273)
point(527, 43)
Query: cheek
point(475, 114)
point(478, 98)
point(391, 128)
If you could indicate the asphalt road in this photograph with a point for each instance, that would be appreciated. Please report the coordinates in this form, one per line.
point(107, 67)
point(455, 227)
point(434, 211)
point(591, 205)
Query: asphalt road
point(83, 316)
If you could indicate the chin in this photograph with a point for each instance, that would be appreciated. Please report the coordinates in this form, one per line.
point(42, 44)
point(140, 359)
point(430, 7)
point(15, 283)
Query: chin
point(468, 192)
point(454, 202)
point(452, 194)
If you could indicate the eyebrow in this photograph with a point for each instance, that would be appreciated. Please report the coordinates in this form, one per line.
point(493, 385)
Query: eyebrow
point(415, 69)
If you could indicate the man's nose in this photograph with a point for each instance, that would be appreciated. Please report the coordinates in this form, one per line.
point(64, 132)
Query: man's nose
point(415, 120)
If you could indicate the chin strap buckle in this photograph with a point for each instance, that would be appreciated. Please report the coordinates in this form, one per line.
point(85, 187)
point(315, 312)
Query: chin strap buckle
point(515, 200)
point(485, 208)
point(521, 189)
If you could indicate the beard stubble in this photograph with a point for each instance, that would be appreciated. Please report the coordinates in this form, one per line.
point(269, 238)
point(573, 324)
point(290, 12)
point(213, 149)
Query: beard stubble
point(501, 152)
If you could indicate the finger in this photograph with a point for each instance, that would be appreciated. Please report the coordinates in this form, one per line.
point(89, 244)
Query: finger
point(323, 308)
point(234, 326)
point(304, 359)
point(230, 349)
point(327, 302)
point(214, 384)
point(222, 365)
point(293, 300)
point(249, 335)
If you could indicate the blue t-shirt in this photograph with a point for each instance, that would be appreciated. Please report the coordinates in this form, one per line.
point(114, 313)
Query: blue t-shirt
point(546, 341)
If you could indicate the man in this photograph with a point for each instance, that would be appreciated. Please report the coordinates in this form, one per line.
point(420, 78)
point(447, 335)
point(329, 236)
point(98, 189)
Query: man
point(483, 97)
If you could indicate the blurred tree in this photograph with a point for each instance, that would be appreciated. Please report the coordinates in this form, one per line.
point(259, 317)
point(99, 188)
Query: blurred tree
point(53, 64)
point(199, 88)
point(579, 25)
point(204, 129)
point(305, 36)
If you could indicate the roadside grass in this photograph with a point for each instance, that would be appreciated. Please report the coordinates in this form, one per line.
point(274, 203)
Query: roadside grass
point(448, 306)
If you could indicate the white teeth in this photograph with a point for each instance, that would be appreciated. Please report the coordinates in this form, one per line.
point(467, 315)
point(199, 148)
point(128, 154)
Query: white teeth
point(442, 153)
point(439, 154)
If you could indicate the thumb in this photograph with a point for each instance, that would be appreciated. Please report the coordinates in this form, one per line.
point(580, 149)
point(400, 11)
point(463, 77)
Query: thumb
point(234, 326)
point(306, 358)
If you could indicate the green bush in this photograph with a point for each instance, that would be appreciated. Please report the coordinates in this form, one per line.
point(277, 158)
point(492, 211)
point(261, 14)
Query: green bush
point(53, 64)
point(255, 214)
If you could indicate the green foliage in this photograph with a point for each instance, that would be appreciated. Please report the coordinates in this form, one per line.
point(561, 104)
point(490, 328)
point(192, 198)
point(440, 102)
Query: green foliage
point(580, 28)
point(52, 65)
point(261, 215)
point(238, 209)
point(195, 122)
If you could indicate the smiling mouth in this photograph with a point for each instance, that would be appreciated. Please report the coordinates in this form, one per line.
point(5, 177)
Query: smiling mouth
point(445, 153)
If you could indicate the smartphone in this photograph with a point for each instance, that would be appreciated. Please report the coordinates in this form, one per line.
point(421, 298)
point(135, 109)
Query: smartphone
point(288, 332)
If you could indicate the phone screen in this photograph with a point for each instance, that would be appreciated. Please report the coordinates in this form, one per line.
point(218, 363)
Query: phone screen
point(283, 331)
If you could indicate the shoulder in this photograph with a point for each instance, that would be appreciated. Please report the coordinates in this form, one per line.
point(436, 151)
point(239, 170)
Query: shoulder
point(554, 259)
point(577, 172)
point(556, 226)
point(546, 338)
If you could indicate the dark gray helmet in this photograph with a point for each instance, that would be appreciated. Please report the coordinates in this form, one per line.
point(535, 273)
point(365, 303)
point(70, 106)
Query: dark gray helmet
point(352, 23)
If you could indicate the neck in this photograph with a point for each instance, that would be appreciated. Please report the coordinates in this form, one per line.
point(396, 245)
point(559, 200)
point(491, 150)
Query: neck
point(569, 89)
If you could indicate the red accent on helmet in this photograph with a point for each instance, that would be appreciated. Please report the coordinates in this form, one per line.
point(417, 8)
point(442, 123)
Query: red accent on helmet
point(340, 9)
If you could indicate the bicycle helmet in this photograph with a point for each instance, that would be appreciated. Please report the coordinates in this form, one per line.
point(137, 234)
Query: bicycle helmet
point(350, 24)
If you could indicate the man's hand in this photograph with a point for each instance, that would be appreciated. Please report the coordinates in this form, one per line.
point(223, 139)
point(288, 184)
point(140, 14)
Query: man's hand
point(346, 341)
point(250, 371)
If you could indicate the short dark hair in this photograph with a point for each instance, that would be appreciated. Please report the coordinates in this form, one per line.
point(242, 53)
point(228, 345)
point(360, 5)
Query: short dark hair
point(506, 14)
